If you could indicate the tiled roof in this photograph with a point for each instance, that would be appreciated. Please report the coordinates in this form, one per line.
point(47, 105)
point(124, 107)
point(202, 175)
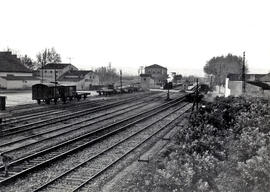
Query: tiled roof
point(56, 65)
point(74, 75)
point(14, 78)
point(155, 66)
point(264, 86)
point(10, 63)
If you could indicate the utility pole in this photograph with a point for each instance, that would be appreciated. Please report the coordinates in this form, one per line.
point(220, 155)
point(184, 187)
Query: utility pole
point(121, 81)
point(197, 94)
point(196, 99)
point(55, 76)
point(55, 86)
point(219, 78)
point(168, 93)
point(42, 65)
point(243, 74)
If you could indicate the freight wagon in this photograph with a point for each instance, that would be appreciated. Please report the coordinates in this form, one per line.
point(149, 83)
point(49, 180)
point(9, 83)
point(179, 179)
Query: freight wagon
point(48, 92)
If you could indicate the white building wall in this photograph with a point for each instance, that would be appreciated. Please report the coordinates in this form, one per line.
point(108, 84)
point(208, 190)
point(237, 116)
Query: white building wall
point(21, 84)
point(3, 83)
point(4, 74)
point(49, 74)
point(227, 90)
point(91, 79)
point(84, 84)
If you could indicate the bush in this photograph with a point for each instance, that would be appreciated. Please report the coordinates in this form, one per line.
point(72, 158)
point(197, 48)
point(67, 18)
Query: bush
point(224, 147)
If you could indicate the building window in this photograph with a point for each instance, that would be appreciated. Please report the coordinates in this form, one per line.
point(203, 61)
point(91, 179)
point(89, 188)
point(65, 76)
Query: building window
point(45, 71)
point(50, 71)
point(56, 71)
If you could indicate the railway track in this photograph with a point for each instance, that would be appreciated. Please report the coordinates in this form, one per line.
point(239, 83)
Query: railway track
point(60, 118)
point(61, 133)
point(42, 158)
point(47, 112)
point(77, 177)
point(25, 140)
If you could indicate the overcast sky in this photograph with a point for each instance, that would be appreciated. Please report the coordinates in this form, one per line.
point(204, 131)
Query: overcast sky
point(180, 35)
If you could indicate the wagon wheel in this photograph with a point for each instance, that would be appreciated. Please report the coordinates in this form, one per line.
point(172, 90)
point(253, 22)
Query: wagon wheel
point(64, 99)
point(47, 101)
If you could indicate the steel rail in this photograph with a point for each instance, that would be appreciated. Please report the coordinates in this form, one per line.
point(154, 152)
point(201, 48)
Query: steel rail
point(15, 119)
point(25, 117)
point(137, 105)
point(124, 155)
point(62, 127)
point(81, 146)
point(110, 148)
point(61, 118)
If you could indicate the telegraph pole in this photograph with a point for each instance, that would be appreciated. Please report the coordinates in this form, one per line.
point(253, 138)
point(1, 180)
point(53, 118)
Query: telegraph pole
point(42, 66)
point(197, 94)
point(55, 76)
point(121, 81)
point(243, 74)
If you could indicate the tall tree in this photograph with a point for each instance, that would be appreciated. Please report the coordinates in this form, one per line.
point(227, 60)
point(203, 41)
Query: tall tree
point(28, 62)
point(221, 66)
point(48, 56)
point(107, 75)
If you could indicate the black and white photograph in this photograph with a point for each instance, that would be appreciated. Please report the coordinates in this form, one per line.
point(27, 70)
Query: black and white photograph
point(134, 96)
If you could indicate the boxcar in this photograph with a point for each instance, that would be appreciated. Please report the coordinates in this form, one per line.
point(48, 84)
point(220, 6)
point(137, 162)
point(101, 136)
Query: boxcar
point(48, 92)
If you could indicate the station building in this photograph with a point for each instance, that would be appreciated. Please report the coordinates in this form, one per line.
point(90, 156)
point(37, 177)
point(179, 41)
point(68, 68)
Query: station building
point(155, 76)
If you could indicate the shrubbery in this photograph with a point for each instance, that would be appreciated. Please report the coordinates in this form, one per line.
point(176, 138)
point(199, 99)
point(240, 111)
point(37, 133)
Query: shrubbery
point(225, 147)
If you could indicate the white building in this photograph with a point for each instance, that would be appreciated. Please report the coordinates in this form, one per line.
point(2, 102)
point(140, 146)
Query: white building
point(13, 74)
point(52, 71)
point(83, 80)
point(18, 82)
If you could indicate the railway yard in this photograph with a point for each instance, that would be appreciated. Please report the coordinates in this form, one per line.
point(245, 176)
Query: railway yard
point(81, 146)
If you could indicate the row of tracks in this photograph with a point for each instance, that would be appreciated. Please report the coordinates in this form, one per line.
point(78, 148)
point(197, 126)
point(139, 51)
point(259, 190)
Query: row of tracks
point(48, 111)
point(49, 120)
point(27, 135)
point(43, 158)
point(33, 142)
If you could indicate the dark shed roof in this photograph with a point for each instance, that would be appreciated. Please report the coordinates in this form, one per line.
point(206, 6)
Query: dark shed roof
point(238, 77)
point(266, 77)
point(264, 86)
point(10, 63)
point(56, 65)
point(145, 75)
point(155, 66)
point(74, 75)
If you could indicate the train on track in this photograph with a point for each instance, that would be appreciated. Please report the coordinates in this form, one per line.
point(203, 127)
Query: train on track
point(48, 92)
